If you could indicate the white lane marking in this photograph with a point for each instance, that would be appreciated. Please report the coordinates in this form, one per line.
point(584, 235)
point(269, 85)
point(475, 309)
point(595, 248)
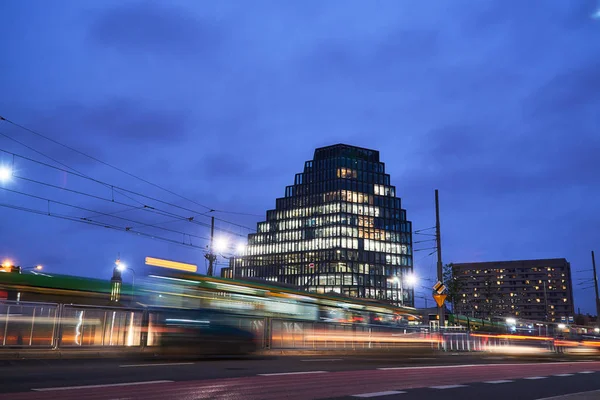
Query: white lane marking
point(293, 373)
point(430, 367)
point(323, 359)
point(532, 378)
point(496, 382)
point(377, 394)
point(447, 387)
point(99, 386)
point(563, 374)
point(153, 365)
point(586, 372)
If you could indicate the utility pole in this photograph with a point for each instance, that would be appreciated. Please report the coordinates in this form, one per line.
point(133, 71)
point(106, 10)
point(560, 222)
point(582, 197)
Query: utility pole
point(440, 269)
point(596, 288)
point(211, 256)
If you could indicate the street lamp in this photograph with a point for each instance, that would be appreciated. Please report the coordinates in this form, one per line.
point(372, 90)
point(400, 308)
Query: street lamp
point(411, 280)
point(240, 249)
point(6, 173)
point(221, 244)
point(121, 267)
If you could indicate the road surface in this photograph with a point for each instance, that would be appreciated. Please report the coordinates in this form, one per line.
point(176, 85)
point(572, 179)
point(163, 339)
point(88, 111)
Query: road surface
point(461, 377)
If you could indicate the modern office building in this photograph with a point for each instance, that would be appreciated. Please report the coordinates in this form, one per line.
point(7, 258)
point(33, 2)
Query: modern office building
point(339, 229)
point(527, 289)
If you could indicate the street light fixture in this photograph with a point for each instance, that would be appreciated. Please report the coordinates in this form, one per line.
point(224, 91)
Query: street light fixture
point(412, 280)
point(6, 173)
point(221, 244)
point(122, 267)
point(240, 249)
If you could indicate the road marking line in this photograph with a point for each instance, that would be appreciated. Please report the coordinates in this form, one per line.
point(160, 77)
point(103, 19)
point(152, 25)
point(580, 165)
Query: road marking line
point(430, 367)
point(496, 382)
point(563, 374)
point(535, 377)
point(293, 373)
point(377, 394)
point(586, 372)
point(323, 359)
point(154, 365)
point(447, 387)
point(99, 386)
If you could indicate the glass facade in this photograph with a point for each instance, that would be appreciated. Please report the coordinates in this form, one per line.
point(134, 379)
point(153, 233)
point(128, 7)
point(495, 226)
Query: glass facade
point(339, 229)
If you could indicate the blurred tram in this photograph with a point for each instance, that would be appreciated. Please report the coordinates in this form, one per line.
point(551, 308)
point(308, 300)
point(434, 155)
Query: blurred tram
point(192, 314)
point(192, 291)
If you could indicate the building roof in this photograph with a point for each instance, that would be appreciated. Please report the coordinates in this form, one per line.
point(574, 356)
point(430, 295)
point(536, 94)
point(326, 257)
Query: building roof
point(346, 150)
point(515, 262)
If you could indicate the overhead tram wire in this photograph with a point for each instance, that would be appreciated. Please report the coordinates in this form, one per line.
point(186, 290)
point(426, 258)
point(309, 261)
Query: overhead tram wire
point(118, 169)
point(109, 165)
point(114, 187)
point(100, 224)
point(97, 212)
point(55, 160)
point(144, 207)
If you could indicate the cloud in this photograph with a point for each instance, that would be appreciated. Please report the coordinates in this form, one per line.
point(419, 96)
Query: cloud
point(122, 119)
point(574, 90)
point(377, 61)
point(151, 28)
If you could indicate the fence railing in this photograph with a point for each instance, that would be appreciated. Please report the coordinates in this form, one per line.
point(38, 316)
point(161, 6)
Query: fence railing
point(28, 324)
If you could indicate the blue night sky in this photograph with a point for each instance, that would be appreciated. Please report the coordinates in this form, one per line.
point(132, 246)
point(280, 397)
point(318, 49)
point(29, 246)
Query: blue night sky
point(496, 103)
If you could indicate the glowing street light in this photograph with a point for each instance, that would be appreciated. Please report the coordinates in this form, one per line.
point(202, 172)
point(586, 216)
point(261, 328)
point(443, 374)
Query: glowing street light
point(121, 266)
point(220, 245)
point(411, 280)
point(7, 263)
point(6, 173)
point(240, 248)
point(511, 321)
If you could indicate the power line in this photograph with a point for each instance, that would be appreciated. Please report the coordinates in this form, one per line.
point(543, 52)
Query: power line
point(425, 229)
point(53, 159)
point(144, 207)
point(94, 223)
point(428, 248)
point(108, 164)
point(97, 212)
point(113, 187)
